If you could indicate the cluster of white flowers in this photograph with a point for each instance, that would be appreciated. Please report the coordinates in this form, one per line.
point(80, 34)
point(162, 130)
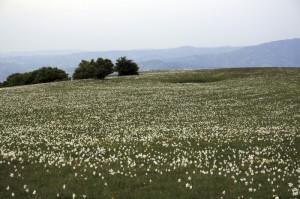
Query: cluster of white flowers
point(100, 130)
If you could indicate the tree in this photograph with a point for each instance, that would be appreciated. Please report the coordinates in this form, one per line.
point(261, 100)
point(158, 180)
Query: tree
point(42, 75)
point(15, 79)
point(98, 69)
point(104, 67)
point(84, 70)
point(48, 74)
point(126, 66)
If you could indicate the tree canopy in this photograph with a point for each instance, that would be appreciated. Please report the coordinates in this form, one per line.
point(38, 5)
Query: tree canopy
point(41, 75)
point(98, 69)
point(126, 66)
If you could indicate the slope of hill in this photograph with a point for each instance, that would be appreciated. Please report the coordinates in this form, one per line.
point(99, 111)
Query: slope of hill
point(167, 134)
point(277, 53)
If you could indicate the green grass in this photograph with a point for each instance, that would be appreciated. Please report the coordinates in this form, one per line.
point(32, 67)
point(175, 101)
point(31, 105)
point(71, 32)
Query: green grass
point(232, 130)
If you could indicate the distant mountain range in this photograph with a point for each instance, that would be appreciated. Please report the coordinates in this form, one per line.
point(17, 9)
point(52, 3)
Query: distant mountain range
point(276, 53)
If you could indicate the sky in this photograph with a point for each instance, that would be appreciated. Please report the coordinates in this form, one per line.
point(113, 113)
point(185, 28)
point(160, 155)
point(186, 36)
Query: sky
point(29, 25)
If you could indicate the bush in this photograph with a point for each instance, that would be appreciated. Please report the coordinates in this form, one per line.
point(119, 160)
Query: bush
point(84, 70)
point(42, 75)
point(104, 67)
point(126, 67)
point(48, 74)
point(15, 79)
point(97, 70)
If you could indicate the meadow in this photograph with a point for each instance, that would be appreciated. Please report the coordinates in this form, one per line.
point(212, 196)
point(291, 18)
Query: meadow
point(223, 133)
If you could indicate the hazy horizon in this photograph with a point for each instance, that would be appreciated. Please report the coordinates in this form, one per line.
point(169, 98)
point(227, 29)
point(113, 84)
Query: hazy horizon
point(91, 25)
point(139, 49)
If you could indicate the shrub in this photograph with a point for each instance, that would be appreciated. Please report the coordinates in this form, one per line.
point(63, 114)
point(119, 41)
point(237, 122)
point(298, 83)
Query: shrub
point(98, 70)
point(42, 75)
point(84, 70)
point(48, 74)
point(126, 67)
point(15, 79)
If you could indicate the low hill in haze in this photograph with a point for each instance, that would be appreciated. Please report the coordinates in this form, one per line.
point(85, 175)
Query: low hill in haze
point(278, 53)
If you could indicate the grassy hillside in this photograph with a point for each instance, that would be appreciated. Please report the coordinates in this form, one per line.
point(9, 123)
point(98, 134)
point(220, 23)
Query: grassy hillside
point(228, 133)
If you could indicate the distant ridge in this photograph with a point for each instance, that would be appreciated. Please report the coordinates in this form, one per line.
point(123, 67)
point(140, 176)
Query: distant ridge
point(276, 53)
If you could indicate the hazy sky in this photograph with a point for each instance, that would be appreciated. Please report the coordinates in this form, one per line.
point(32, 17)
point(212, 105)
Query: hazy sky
point(27, 25)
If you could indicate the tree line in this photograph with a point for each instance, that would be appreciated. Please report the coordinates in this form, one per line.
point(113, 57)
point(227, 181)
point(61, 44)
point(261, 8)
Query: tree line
point(92, 69)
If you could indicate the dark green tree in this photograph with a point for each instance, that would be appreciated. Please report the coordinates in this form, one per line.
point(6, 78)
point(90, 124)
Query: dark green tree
point(98, 69)
point(48, 74)
point(29, 77)
point(104, 67)
point(84, 70)
point(15, 79)
point(126, 66)
point(42, 75)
